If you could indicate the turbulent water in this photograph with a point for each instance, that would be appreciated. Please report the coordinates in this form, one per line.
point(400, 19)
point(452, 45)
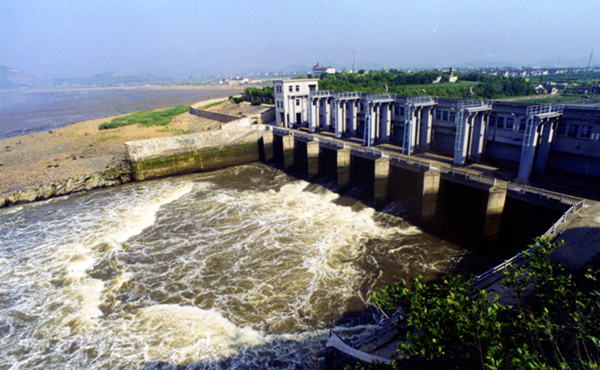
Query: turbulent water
point(245, 267)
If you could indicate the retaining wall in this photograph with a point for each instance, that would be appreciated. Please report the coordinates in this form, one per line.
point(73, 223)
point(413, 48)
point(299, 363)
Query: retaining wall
point(212, 115)
point(176, 155)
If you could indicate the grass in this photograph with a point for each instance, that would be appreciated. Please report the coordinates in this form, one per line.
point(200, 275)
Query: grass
point(147, 118)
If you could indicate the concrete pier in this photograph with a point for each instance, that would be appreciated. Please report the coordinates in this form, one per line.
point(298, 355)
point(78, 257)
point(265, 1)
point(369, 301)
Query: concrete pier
point(312, 159)
point(265, 147)
point(288, 151)
point(417, 190)
point(381, 175)
point(493, 214)
point(343, 169)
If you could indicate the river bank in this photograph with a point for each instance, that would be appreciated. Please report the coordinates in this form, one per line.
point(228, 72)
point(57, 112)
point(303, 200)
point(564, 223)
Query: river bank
point(38, 165)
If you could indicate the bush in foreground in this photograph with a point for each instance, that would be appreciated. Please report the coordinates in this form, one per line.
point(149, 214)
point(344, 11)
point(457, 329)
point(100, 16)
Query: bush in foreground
point(147, 118)
point(553, 324)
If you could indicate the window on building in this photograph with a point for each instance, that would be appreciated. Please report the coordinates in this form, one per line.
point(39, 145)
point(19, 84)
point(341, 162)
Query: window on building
point(522, 124)
point(291, 89)
point(445, 115)
point(510, 122)
point(297, 88)
point(500, 122)
point(312, 88)
point(438, 115)
point(586, 131)
point(492, 121)
point(573, 130)
point(561, 130)
point(401, 111)
point(452, 116)
point(297, 101)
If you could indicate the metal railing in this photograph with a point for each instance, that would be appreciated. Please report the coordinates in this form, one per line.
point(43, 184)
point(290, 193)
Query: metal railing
point(475, 103)
point(421, 100)
point(544, 109)
point(379, 97)
point(497, 273)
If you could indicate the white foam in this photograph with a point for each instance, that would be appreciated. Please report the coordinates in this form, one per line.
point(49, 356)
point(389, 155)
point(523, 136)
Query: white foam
point(191, 333)
point(144, 215)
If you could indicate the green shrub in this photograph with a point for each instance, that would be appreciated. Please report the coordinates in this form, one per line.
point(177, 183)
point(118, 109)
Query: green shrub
point(256, 102)
point(147, 118)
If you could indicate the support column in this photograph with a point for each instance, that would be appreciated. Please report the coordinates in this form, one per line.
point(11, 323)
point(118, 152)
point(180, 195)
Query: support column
point(312, 116)
point(312, 159)
point(339, 118)
point(288, 151)
point(529, 146)
point(382, 173)
point(478, 137)
point(462, 139)
point(327, 113)
point(384, 134)
point(343, 169)
point(374, 119)
point(426, 128)
point(543, 153)
point(354, 117)
point(431, 187)
point(493, 213)
point(266, 147)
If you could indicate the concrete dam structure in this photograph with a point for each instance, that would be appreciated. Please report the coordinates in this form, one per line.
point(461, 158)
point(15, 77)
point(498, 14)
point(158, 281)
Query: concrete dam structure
point(465, 208)
point(547, 139)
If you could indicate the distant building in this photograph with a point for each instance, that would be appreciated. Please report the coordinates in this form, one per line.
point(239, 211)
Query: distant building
point(318, 69)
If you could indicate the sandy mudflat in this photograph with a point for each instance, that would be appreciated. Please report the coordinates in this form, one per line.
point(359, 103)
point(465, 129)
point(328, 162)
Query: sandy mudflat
point(81, 149)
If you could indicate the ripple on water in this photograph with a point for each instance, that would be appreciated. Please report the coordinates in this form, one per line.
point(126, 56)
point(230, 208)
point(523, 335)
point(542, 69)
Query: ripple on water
point(243, 266)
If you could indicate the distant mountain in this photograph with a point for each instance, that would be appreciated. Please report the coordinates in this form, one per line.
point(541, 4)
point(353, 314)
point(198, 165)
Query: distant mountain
point(109, 79)
point(11, 78)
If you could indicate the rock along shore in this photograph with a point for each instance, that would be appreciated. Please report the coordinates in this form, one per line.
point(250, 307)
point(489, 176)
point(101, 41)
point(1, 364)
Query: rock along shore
point(117, 175)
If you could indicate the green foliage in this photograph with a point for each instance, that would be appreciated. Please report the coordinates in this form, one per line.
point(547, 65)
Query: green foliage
point(554, 323)
point(147, 118)
point(256, 102)
point(264, 92)
point(238, 100)
point(485, 86)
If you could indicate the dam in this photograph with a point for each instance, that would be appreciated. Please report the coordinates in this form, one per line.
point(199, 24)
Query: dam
point(465, 207)
point(240, 265)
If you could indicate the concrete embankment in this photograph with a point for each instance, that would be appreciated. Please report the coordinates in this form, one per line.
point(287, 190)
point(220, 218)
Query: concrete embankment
point(206, 151)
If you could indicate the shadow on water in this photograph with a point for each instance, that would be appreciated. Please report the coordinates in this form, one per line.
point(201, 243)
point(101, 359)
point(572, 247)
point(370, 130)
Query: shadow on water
point(517, 230)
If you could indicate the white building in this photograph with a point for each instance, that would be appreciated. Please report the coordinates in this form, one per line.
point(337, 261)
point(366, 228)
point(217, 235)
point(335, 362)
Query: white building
point(291, 100)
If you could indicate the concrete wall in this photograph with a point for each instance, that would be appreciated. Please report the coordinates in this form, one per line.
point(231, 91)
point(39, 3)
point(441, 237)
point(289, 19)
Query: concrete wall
point(176, 155)
point(213, 116)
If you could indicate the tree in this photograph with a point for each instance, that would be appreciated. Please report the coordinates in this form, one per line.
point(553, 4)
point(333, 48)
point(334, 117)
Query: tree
point(553, 324)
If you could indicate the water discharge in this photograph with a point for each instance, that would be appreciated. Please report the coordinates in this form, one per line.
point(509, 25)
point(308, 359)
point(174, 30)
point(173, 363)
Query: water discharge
point(244, 267)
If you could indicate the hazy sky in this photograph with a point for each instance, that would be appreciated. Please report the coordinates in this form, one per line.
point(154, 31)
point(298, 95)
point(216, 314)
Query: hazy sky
point(69, 38)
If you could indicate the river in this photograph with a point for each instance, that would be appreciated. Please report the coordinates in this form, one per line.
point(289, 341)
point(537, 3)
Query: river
point(245, 267)
point(22, 111)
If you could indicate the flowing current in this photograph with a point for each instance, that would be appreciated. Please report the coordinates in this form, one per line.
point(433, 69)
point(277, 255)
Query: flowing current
point(245, 267)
